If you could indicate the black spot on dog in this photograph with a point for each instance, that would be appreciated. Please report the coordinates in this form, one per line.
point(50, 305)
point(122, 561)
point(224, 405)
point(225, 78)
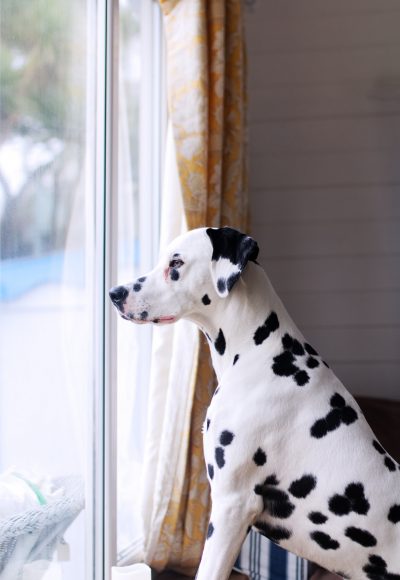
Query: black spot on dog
point(292, 344)
point(378, 447)
point(142, 279)
point(137, 287)
point(220, 456)
point(390, 464)
point(376, 569)
point(210, 530)
point(274, 533)
point(360, 504)
point(337, 401)
point(144, 315)
point(270, 325)
point(174, 274)
point(297, 348)
point(324, 541)
point(276, 501)
point(287, 341)
point(206, 300)
point(317, 518)
point(236, 358)
point(271, 480)
point(220, 343)
point(283, 364)
point(388, 461)
point(349, 415)
point(310, 349)
point(260, 457)
point(339, 505)
point(353, 500)
point(312, 362)
point(362, 537)
point(221, 285)
point(301, 378)
point(302, 487)
point(226, 438)
point(394, 514)
point(210, 469)
point(340, 414)
point(208, 423)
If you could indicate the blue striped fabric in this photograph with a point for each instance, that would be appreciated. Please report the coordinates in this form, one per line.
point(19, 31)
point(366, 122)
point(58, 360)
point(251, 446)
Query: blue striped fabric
point(261, 559)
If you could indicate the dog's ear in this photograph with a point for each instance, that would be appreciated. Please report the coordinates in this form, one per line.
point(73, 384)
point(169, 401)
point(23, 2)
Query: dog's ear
point(231, 252)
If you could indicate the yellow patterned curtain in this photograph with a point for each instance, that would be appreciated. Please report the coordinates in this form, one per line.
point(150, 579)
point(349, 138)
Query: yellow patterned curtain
point(207, 107)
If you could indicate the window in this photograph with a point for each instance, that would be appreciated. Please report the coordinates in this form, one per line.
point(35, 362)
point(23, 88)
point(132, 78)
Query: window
point(65, 238)
point(142, 125)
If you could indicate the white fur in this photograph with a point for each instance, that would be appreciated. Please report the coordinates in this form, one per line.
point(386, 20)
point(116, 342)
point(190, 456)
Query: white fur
point(263, 409)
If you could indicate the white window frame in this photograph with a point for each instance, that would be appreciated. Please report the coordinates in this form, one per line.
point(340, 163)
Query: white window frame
point(101, 508)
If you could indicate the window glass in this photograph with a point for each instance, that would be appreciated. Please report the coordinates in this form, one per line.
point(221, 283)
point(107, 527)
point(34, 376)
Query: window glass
point(140, 148)
point(45, 284)
point(130, 342)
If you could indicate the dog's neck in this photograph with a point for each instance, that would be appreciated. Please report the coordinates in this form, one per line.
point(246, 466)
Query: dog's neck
point(238, 316)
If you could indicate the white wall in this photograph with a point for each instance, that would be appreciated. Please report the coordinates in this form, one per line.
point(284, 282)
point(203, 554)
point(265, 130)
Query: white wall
point(324, 85)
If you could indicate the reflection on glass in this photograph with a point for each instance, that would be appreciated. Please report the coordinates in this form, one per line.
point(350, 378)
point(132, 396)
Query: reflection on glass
point(45, 301)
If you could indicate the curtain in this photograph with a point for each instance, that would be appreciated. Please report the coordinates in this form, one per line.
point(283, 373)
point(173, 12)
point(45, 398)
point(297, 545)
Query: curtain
point(207, 110)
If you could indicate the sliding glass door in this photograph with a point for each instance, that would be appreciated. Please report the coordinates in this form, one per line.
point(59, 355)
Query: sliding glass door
point(77, 174)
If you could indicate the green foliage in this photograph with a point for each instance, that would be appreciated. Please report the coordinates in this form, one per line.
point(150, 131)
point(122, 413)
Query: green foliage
point(36, 51)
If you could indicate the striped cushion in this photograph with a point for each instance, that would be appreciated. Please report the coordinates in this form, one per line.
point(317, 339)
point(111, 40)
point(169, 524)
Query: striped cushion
point(264, 560)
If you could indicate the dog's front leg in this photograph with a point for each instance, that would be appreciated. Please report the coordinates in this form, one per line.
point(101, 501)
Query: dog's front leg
point(229, 523)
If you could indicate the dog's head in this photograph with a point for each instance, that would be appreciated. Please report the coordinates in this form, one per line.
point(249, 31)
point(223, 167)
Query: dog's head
point(198, 267)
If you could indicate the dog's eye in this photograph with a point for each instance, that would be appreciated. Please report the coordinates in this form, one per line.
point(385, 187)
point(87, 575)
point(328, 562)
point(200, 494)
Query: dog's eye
point(176, 263)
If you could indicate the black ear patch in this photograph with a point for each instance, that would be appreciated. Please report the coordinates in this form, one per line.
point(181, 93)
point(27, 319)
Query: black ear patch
point(231, 252)
point(232, 245)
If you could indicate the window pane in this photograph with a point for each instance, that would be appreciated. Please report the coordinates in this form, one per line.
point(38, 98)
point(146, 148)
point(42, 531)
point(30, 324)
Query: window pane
point(45, 288)
point(129, 431)
point(138, 199)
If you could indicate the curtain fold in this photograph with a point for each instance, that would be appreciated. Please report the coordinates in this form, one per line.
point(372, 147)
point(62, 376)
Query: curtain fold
point(207, 110)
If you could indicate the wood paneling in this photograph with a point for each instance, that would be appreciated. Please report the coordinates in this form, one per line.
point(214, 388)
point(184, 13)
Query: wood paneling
point(324, 94)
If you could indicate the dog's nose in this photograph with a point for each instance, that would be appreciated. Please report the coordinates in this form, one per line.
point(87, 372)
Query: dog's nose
point(118, 294)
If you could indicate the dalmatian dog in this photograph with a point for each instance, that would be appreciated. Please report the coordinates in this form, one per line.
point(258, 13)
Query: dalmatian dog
point(287, 448)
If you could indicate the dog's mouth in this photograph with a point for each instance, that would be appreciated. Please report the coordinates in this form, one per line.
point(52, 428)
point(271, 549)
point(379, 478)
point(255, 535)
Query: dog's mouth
point(139, 319)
